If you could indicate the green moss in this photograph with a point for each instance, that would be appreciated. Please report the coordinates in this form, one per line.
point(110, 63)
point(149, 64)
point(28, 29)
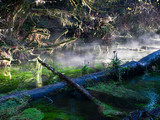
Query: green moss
point(12, 107)
point(119, 97)
point(140, 105)
point(109, 111)
point(99, 66)
point(146, 82)
point(29, 114)
point(71, 72)
point(15, 77)
point(117, 91)
point(24, 76)
point(51, 112)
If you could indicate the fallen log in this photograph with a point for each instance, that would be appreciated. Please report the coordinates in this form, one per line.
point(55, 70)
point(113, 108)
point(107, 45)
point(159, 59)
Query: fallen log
point(134, 69)
point(46, 90)
point(150, 60)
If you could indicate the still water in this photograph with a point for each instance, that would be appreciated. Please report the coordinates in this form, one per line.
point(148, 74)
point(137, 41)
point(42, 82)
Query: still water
point(141, 92)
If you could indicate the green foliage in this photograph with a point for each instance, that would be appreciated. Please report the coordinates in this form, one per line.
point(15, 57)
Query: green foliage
point(69, 71)
point(8, 108)
point(25, 76)
point(17, 78)
point(84, 70)
point(115, 65)
point(29, 114)
point(103, 30)
point(12, 107)
point(115, 62)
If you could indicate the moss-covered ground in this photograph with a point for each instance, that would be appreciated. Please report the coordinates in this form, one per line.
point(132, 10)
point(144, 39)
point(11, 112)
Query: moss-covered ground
point(24, 77)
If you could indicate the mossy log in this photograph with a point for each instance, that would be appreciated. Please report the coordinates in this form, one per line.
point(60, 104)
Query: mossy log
point(134, 69)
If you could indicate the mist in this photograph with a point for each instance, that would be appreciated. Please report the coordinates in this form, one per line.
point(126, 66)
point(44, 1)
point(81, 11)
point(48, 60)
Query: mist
point(96, 53)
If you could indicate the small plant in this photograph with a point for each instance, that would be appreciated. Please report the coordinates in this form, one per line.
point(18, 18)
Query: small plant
point(115, 64)
point(84, 70)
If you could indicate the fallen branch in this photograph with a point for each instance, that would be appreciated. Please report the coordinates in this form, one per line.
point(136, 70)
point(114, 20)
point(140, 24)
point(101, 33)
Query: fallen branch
point(61, 43)
point(63, 33)
point(68, 80)
point(51, 101)
point(99, 104)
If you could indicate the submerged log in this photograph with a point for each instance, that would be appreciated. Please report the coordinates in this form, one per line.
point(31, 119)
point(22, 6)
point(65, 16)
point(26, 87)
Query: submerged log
point(134, 69)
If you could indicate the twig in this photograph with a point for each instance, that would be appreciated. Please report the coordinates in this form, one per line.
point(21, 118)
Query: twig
point(51, 101)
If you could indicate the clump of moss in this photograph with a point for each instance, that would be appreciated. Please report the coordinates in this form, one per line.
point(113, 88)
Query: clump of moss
point(15, 78)
point(108, 110)
point(12, 107)
point(117, 91)
point(29, 114)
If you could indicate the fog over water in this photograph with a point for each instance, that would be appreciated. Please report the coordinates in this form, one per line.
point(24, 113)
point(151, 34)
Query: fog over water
point(90, 53)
